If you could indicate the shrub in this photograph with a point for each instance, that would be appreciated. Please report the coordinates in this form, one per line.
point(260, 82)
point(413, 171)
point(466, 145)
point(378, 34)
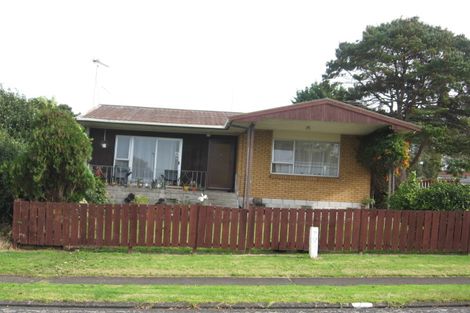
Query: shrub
point(444, 197)
point(438, 197)
point(405, 196)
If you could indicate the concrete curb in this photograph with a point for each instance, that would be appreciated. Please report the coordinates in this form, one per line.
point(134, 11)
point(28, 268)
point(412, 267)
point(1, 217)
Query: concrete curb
point(213, 305)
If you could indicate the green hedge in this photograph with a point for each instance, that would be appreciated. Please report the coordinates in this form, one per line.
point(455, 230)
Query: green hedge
point(440, 196)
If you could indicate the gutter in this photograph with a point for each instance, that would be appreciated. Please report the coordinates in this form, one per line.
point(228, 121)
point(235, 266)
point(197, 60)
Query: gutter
point(86, 119)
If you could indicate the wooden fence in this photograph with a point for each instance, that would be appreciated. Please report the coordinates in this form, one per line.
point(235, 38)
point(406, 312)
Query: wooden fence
point(75, 225)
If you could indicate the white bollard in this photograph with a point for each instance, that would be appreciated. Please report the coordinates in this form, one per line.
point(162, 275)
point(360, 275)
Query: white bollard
point(313, 242)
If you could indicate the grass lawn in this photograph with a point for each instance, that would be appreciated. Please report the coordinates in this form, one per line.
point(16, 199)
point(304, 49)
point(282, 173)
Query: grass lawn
point(396, 295)
point(179, 262)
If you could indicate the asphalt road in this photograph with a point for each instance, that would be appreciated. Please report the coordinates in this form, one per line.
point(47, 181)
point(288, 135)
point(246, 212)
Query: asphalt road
point(404, 310)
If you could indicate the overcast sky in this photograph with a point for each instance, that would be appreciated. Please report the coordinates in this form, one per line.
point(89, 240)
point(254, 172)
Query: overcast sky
point(216, 55)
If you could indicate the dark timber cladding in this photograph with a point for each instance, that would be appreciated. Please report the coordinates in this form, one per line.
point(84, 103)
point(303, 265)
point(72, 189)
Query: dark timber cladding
point(195, 146)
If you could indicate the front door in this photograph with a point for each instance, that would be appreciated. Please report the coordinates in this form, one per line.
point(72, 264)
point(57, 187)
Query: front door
point(221, 164)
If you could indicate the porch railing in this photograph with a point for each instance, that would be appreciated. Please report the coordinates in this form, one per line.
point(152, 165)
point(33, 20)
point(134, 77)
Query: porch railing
point(123, 176)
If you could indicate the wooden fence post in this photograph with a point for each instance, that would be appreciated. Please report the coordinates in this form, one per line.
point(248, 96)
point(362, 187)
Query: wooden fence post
point(363, 230)
point(15, 226)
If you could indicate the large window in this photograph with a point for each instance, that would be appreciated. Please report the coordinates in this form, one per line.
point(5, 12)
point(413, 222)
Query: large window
point(300, 157)
point(148, 158)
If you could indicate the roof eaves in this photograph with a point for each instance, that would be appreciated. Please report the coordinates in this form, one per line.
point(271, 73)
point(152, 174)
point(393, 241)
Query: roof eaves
point(87, 119)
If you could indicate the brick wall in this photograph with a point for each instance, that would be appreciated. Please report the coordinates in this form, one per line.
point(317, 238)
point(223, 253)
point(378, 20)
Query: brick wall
point(352, 185)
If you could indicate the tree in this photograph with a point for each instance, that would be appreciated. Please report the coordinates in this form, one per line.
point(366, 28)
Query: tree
point(321, 90)
point(54, 165)
point(16, 114)
point(415, 72)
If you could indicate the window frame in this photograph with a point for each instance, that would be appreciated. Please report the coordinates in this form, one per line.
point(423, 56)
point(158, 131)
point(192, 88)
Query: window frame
point(293, 159)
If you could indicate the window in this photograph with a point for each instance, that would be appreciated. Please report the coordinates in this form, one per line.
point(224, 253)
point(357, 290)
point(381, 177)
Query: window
point(148, 158)
point(299, 157)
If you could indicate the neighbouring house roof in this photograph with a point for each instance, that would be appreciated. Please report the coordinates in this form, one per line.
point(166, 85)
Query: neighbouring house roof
point(322, 110)
point(157, 116)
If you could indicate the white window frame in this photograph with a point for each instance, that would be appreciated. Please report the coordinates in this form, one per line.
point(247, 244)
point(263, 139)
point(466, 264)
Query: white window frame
point(130, 153)
point(293, 159)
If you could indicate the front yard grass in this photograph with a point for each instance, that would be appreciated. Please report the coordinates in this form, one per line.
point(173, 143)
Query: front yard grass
point(179, 262)
point(192, 295)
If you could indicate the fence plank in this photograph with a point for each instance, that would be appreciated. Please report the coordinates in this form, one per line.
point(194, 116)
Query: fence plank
point(457, 241)
point(175, 226)
point(418, 244)
point(435, 231)
point(133, 217)
point(83, 216)
point(74, 225)
point(356, 231)
point(427, 228)
point(331, 229)
point(372, 230)
point(66, 211)
point(363, 231)
point(167, 227)
point(339, 237)
point(250, 228)
point(323, 231)
point(208, 226)
point(299, 238)
point(396, 230)
point(116, 224)
point(466, 232)
point(291, 231)
point(441, 241)
point(242, 230)
point(308, 224)
point(33, 224)
point(379, 236)
point(449, 231)
point(234, 228)
point(108, 225)
point(387, 241)
point(150, 217)
point(99, 224)
point(16, 222)
point(57, 224)
point(193, 222)
point(411, 236)
point(284, 227)
point(404, 230)
point(159, 216)
point(347, 230)
point(259, 216)
point(226, 228)
point(268, 214)
point(125, 224)
point(184, 227)
point(217, 227)
point(275, 236)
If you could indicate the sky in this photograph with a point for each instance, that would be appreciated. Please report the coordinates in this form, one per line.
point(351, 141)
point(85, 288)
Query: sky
point(210, 55)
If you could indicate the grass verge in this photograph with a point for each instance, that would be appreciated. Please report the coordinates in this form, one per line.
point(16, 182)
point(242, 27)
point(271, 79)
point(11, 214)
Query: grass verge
point(50, 263)
point(394, 295)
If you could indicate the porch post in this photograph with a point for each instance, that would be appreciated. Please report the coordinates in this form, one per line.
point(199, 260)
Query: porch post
point(250, 138)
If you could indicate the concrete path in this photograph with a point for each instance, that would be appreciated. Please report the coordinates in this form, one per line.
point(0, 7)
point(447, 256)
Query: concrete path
point(240, 281)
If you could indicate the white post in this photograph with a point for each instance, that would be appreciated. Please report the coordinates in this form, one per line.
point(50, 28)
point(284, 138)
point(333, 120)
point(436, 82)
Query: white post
point(313, 242)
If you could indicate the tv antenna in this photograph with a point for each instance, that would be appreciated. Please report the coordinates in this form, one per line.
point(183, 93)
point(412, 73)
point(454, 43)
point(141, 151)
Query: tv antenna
point(98, 64)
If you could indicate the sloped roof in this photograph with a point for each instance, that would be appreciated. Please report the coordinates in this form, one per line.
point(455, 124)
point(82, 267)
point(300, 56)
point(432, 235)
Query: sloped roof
point(162, 116)
point(324, 110)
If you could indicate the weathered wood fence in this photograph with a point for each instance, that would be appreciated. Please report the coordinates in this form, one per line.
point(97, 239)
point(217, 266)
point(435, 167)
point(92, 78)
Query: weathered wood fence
point(75, 225)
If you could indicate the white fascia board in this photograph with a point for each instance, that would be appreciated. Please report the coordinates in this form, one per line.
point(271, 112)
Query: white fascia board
point(86, 119)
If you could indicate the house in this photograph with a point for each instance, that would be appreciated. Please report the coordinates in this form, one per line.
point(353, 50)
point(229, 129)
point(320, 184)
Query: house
point(291, 156)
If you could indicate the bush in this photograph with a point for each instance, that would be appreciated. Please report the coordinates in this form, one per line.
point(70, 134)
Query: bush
point(439, 197)
point(405, 196)
point(444, 197)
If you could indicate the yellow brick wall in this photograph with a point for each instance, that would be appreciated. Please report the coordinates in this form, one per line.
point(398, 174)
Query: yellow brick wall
point(352, 185)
